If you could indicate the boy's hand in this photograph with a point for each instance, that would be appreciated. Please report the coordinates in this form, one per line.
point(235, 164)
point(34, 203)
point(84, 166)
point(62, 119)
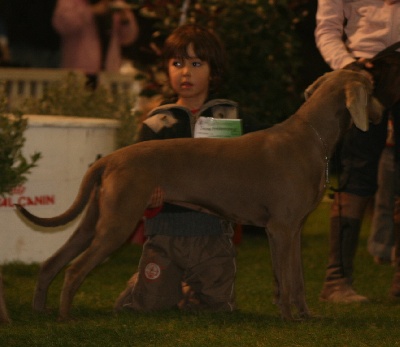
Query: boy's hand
point(157, 198)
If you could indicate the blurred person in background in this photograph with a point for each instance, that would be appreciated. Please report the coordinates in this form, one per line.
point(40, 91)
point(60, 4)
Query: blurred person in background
point(93, 33)
point(381, 238)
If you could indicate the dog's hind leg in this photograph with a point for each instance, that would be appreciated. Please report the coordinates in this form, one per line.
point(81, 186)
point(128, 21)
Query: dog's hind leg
point(117, 219)
point(98, 251)
point(75, 245)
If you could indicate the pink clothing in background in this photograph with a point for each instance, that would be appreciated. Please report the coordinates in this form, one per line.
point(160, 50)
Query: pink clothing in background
point(81, 47)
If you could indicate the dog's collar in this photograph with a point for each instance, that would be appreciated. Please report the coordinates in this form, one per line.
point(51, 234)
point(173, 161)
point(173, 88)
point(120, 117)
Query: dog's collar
point(325, 149)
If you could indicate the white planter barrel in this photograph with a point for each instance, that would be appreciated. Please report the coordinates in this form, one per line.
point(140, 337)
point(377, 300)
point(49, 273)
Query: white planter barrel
point(68, 146)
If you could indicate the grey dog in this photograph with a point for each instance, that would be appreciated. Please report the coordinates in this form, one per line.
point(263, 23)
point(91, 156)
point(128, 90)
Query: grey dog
point(271, 178)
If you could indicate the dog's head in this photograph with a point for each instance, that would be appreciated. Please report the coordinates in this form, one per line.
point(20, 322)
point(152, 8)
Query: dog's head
point(357, 87)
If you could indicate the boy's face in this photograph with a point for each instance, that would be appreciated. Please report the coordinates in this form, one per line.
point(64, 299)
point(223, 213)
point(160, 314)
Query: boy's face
point(190, 78)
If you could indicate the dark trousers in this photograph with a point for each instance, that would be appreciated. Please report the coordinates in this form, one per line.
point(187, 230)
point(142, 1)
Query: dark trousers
point(359, 157)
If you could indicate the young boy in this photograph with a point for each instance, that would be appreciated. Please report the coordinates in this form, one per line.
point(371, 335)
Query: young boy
point(184, 245)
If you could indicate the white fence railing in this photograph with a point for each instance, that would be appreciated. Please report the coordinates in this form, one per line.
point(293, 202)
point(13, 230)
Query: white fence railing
point(23, 83)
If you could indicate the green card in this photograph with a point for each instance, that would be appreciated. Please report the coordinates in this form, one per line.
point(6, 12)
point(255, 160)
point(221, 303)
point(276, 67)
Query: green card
point(215, 127)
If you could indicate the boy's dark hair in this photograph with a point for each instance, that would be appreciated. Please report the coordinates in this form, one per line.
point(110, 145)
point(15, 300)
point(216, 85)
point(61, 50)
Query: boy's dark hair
point(206, 45)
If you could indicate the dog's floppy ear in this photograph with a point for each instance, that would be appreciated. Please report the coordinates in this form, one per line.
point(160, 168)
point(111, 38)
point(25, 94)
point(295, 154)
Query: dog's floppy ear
point(356, 102)
point(375, 110)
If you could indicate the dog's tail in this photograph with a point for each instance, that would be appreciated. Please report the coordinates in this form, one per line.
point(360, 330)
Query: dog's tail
point(90, 180)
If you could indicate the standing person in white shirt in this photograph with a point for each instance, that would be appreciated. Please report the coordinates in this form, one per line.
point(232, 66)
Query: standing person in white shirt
point(93, 32)
point(348, 33)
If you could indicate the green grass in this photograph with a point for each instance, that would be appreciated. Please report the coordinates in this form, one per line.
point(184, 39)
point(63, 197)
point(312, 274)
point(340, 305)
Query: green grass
point(256, 323)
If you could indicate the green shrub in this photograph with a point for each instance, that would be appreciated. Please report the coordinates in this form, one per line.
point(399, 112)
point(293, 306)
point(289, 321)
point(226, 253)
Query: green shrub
point(14, 166)
point(72, 97)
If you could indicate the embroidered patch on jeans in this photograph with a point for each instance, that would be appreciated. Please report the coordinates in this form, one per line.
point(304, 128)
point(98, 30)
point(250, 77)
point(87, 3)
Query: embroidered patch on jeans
point(152, 271)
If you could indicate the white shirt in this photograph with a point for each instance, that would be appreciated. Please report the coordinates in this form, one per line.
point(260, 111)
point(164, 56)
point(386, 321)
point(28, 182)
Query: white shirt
point(370, 26)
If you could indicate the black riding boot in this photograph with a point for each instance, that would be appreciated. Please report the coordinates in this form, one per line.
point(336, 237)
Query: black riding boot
point(395, 287)
point(346, 218)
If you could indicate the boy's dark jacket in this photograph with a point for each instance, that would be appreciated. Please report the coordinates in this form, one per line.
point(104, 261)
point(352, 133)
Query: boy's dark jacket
point(170, 120)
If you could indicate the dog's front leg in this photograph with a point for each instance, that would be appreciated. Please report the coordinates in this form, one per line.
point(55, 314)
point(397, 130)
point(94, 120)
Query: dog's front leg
point(297, 278)
point(279, 243)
